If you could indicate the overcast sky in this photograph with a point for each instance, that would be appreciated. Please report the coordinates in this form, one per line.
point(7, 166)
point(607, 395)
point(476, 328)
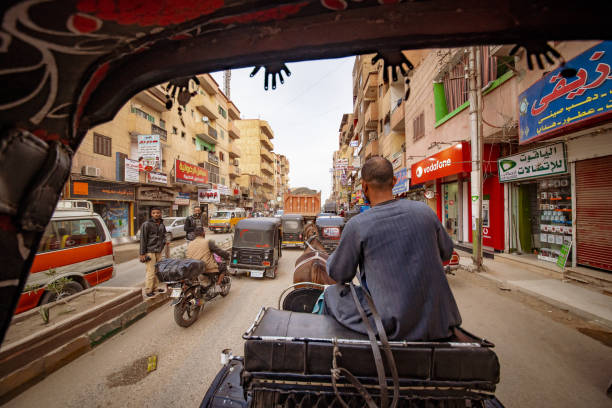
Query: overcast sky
point(304, 113)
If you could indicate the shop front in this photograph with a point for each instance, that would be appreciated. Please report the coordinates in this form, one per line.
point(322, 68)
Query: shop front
point(540, 201)
point(572, 207)
point(114, 202)
point(153, 196)
point(440, 177)
point(444, 179)
point(181, 202)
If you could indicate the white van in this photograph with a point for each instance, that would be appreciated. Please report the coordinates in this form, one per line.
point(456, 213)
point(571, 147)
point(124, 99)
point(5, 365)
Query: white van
point(77, 245)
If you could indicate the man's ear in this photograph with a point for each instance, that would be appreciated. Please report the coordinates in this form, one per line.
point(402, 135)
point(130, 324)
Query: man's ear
point(394, 181)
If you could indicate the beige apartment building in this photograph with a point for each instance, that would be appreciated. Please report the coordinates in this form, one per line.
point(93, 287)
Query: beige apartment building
point(257, 162)
point(192, 159)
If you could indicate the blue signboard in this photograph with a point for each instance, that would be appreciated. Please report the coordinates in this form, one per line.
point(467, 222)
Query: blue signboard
point(556, 105)
point(402, 181)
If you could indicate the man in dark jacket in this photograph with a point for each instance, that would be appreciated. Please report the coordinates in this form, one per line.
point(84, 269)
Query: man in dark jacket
point(398, 246)
point(192, 222)
point(152, 243)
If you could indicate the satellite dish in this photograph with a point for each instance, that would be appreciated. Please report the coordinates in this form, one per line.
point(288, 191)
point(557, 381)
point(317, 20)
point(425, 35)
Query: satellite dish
point(429, 194)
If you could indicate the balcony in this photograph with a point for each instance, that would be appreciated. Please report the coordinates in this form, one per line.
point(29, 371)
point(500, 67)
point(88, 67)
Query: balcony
point(266, 141)
point(267, 156)
point(268, 183)
point(234, 151)
point(266, 129)
point(233, 111)
point(397, 118)
point(255, 180)
point(153, 98)
point(208, 84)
point(156, 130)
point(233, 130)
point(209, 135)
point(371, 149)
point(266, 169)
point(206, 106)
point(234, 171)
point(370, 87)
point(213, 159)
point(371, 116)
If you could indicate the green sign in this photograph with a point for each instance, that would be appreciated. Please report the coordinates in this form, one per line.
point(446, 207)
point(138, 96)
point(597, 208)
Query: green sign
point(565, 250)
point(540, 162)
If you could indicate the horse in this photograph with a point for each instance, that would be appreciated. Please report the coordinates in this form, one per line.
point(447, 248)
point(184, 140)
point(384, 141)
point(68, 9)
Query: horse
point(311, 266)
point(309, 230)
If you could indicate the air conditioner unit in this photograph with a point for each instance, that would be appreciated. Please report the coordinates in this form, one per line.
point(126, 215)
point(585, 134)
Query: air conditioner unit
point(372, 136)
point(205, 119)
point(236, 162)
point(90, 171)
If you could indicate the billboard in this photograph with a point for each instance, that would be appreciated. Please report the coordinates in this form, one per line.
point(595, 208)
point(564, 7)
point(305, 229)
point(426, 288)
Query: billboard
point(149, 148)
point(540, 162)
point(187, 173)
point(555, 105)
point(209, 195)
point(402, 185)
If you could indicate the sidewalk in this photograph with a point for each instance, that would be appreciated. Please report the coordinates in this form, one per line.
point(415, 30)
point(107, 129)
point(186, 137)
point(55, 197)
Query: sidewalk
point(547, 287)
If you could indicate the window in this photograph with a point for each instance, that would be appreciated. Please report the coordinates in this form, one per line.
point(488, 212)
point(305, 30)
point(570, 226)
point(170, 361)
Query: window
point(221, 156)
point(163, 163)
point(183, 134)
point(222, 112)
point(223, 180)
point(142, 114)
point(174, 130)
point(102, 145)
point(418, 126)
point(162, 123)
point(192, 115)
point(221, 133)
point(192, 139)
point(71, 233)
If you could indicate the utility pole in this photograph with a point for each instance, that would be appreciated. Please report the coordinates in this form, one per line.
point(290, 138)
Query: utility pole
point(476, 139)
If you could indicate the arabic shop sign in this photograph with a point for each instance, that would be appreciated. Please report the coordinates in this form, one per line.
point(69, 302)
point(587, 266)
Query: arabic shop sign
point(189, 173)
point(402, 181)
point(209, 195)
point(555, 105)
point(544, 161)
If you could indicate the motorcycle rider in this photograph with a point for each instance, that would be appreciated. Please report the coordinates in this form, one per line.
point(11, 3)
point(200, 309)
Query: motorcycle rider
point(203, 249)
point(192, 222)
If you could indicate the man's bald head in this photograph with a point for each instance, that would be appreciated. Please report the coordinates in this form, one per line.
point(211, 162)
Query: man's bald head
point(378, 173)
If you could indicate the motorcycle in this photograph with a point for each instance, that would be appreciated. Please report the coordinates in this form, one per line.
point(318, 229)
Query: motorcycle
point(190, 288)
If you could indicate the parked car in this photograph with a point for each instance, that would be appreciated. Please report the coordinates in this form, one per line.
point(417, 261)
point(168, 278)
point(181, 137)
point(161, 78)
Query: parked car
point(76, 245)
point(175, 228)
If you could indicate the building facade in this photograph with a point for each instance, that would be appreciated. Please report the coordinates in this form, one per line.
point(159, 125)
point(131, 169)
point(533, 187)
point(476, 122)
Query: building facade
point(258, 162)
point(421, 124)
point(151, 156)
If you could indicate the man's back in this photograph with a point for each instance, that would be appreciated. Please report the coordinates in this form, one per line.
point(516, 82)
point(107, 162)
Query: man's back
point(399, 247)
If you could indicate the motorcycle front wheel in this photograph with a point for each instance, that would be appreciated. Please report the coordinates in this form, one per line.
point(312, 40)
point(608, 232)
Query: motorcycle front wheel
point(226, 284)
point(186, 312)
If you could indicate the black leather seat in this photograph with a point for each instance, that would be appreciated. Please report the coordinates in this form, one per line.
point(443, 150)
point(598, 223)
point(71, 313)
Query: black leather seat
point(300, 343)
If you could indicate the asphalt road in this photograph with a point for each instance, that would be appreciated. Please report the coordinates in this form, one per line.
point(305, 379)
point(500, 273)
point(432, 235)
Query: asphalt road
point(545, 361)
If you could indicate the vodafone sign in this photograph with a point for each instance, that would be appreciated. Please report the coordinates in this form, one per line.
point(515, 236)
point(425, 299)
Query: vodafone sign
point(455, 159)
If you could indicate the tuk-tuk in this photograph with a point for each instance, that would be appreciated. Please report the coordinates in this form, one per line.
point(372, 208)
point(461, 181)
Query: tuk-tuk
point(293, 227)
point(256, 248)
point(330, 229)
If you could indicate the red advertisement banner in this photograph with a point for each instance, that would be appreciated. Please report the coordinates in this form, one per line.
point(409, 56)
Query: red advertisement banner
point(190, 173)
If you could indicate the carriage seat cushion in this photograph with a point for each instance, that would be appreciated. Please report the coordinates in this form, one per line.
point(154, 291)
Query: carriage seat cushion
point(303, 354)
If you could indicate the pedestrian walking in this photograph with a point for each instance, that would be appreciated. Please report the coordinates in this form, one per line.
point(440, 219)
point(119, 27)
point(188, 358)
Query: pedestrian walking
point(192, 222)
point(152, 243)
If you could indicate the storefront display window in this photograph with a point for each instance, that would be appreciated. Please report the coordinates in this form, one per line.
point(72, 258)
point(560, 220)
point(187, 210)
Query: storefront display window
point(555, 217)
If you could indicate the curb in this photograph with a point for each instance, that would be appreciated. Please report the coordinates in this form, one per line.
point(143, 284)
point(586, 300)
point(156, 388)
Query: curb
point(33, 372)
point(553, 302)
